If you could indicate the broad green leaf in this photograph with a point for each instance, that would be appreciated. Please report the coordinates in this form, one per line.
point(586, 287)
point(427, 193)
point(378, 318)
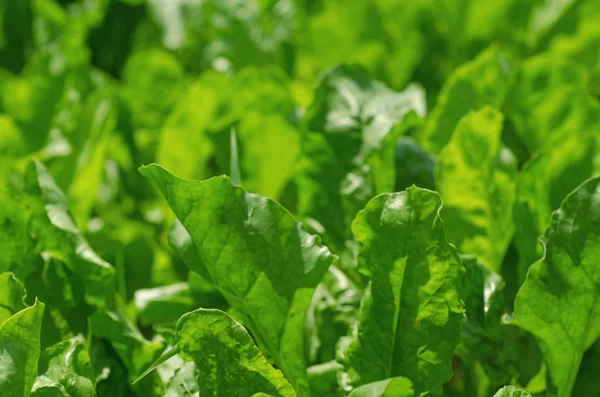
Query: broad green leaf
point(228, 361)
point(12, 296)
point(392, 387)
point(511, 391)
point(559, 300)
point(411, 315)
point(483, 81)
point(20, 351)
point(475, 177)
point(68, 364)
point(261, 259)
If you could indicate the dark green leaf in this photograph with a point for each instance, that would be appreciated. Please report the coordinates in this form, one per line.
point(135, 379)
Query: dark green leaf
point(411, 315)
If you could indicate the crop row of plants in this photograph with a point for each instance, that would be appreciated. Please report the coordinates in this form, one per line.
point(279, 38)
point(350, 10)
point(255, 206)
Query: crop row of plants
point(236, 198)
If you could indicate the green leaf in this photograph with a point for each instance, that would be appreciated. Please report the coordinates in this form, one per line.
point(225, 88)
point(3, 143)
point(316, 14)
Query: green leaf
point(20, 351)
point(558, 303)
point(261, 259)
point(511, 391)
point(411, 315)
point(228, 361)
point(475, 177)
point(68, 364)
point(483, 81)
point(12, 296)
point(392, 387)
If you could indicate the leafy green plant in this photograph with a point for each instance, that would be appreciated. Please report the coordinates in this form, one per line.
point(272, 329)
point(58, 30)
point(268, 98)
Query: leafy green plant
point(367, 198)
